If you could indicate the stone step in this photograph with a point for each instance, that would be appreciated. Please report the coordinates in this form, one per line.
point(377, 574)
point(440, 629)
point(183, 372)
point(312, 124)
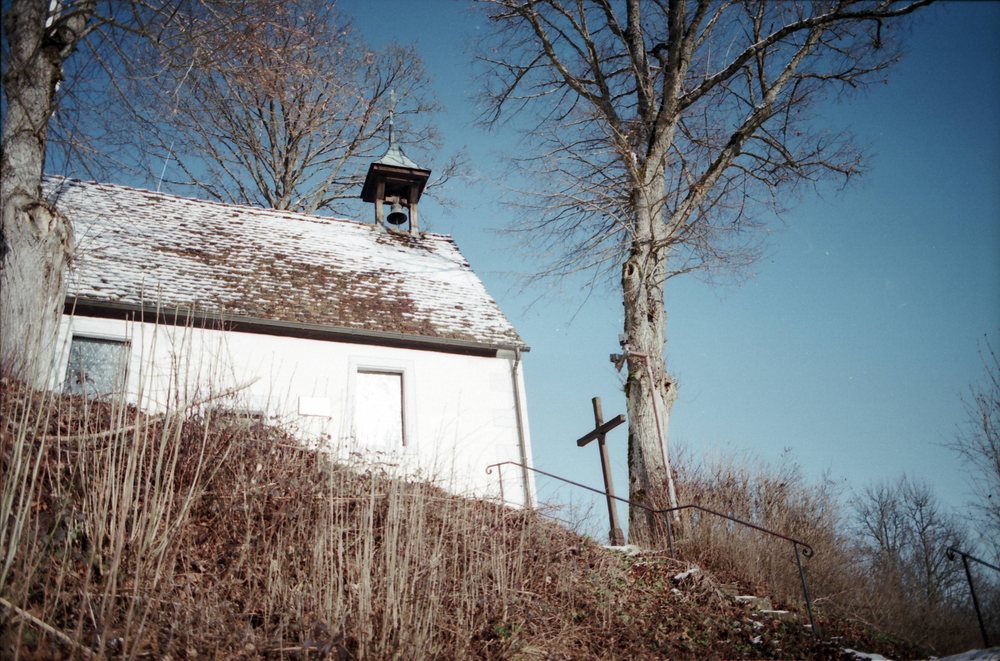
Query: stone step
point(729, 590)
point(629, 550)
point(756, 603)
point(780, 615)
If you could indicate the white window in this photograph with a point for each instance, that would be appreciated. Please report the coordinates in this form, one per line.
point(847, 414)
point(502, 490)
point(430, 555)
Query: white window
point(379, 409)
point(96, 366)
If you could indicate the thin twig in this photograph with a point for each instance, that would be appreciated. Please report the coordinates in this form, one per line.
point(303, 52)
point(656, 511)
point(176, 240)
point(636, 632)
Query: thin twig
point(151, 419)
point(47, 628)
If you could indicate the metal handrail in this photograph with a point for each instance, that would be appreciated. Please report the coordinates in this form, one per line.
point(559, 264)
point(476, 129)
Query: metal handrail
point(807, 550)
point(950, 553)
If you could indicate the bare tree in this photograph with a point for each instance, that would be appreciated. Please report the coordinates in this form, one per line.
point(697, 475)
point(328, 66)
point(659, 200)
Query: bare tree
point(664, 128)
point(979, 445)
point(881, 522)
point(40, 38)
point(42, 67)
point(271, 103)
point(35, 240)
point(285, 112)
point(906, 536)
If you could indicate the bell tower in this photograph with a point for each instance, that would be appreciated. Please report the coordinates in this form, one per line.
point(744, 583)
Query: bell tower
point(396, 180)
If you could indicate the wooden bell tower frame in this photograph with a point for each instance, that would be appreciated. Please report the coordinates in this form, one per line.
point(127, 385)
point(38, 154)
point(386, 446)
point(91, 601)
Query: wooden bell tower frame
point(395, 183)
point(395, 179)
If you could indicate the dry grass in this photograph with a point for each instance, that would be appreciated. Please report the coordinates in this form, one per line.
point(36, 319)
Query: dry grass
point(184, 534)
point(845, 590)
point(777, 498)
point(134, 535)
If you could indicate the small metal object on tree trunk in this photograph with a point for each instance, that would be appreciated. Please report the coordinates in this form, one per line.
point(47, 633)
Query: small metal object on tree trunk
point(601, 428)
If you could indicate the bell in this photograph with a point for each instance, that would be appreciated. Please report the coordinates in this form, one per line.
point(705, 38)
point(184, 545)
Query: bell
point(396, 215)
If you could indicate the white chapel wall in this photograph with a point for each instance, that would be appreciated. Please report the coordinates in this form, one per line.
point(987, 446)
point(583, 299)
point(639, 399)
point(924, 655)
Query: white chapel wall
point(459, 411)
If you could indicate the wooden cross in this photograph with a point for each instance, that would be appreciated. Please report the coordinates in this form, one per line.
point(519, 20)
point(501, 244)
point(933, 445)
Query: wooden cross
point(599, 432)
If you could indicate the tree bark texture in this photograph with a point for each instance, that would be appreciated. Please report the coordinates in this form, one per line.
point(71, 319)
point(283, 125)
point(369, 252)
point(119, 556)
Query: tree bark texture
point(649, 391)
point(35, 240)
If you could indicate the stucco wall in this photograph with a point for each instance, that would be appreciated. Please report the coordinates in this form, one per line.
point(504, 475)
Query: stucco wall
point(460, 413)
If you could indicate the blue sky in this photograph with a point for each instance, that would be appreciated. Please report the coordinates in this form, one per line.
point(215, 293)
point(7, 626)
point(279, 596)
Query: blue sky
point(850, 348)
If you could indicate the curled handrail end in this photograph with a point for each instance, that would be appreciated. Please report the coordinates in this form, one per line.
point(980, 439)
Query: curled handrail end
point(807, 550)
point(952, 551)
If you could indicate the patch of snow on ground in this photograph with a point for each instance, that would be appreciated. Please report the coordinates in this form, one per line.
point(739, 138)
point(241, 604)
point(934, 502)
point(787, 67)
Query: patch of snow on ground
point(628, 549)
point(865, 656)
point(684, 575)
point(991, 654)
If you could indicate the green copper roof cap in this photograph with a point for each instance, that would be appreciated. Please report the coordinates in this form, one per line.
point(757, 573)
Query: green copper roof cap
point(394, 156)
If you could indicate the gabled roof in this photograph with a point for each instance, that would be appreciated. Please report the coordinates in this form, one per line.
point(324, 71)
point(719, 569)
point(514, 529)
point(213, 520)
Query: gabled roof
point(138, 248)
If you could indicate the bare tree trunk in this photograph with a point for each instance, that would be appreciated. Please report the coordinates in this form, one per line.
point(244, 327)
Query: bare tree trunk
point(35, 240)
point(648, 403)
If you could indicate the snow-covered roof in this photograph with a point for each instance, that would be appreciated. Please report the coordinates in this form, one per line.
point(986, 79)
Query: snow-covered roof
point(137, 247)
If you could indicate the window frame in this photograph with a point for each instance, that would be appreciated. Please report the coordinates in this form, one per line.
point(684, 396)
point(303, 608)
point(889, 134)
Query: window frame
point(121, 387)
point(406, 372)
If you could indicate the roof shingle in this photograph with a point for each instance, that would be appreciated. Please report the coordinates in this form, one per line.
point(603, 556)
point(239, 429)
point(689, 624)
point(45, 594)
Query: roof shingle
point(136, 246)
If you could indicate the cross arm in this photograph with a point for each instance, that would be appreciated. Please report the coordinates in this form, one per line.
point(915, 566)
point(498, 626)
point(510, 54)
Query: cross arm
point(601, 430)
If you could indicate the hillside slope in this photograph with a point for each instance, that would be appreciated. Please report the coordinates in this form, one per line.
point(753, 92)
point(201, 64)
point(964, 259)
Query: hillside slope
point(198, 534)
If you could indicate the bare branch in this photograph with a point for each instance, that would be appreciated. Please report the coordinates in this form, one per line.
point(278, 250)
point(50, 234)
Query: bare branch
point(662, 141)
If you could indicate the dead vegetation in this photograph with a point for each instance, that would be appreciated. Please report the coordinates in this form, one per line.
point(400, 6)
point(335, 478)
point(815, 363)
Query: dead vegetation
point(188, 535)
point(847, 583)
